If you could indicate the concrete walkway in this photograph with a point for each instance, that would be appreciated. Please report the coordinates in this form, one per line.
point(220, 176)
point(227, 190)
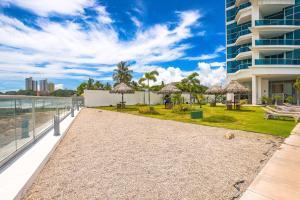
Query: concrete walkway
point(280, 178)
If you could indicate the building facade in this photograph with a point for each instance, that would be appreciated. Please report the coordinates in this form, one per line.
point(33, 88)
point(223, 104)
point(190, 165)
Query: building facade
point(44, 87)
point(31, 84)
point(263, 46)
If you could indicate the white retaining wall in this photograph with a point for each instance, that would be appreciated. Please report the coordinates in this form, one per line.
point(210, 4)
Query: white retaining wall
point(93, 98)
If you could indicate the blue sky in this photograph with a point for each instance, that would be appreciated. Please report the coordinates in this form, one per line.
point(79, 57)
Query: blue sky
point(67, 41)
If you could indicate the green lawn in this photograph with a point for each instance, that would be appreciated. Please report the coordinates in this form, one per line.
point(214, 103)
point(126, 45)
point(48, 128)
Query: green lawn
point(248, 119)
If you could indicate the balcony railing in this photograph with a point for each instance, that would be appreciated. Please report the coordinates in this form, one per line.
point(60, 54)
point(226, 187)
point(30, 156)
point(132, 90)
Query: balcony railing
point(245, 5)
point(277, 22)
point(243, 32)
point(230, 3)
point(243, 49)
point(277, 61)
point(24, 119)
point(277, 42)
point(239, 67)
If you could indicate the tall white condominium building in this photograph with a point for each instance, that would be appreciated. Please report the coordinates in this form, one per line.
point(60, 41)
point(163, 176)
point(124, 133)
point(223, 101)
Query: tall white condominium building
point(44, 85)
point(263, 46)
point(31, 84)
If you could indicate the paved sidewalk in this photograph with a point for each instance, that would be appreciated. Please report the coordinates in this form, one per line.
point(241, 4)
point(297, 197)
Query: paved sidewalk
point(280, 178)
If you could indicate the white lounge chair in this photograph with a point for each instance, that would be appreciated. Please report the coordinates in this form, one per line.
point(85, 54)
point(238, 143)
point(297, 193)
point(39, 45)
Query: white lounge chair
point(270, 114)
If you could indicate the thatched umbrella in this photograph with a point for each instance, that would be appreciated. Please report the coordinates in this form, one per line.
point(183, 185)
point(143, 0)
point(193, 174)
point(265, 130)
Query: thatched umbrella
point(122, 88)
point(236, 88)
point(169, 89)
point(215, 90)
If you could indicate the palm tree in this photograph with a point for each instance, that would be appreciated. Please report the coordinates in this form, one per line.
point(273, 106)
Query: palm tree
point(81, 88)
point(297, 87)
point(190, 84)
point(98, 85)
point(90, 84)
point(122, 74)
point(149, 76)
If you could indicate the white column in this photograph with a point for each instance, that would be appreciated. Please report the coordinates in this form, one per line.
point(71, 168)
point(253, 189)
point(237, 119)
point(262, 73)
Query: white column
point(254, 90)
point(259, 90)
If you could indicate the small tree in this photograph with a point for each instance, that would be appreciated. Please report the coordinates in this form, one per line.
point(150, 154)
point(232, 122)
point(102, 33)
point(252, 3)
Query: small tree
point(200, 98)
point(289, 99)
point(277, 98)
point(149, 76)
point(297, 87)
point(265, 100)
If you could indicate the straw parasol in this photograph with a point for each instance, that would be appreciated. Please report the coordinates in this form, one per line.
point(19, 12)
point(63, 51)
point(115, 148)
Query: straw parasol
point(236, 88)
point(169, 89)
point(215, 90)
point(122, 88)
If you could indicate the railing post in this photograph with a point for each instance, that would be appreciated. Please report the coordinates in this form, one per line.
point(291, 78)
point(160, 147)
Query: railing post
point(33, 117)
point(72, 111)
point(56, 125)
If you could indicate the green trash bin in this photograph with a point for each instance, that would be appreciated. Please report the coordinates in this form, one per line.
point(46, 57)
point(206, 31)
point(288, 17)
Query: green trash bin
point(197, 114)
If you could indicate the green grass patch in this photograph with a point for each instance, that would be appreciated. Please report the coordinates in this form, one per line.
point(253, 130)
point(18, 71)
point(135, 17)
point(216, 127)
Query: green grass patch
point(248, 118)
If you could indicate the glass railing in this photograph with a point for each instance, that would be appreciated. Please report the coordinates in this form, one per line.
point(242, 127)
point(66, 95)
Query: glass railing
point(244, 66)
point(243, 32)
point(277, 42)
point(277, 61)
point(24, 119)
point(270, 22)
point(245, 5)
point(243, 49)
point(230, 3)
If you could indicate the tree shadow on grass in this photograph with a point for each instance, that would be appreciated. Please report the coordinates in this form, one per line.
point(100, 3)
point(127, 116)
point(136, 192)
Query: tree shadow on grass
point(240, 111)
point(220, 119)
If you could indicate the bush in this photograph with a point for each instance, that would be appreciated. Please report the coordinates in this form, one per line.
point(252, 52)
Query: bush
point(182, 108)
point(289, 99)
point(148, 110)
point(243, 101)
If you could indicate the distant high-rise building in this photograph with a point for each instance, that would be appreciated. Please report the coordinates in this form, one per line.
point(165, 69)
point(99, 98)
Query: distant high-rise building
point(51, 87)
point(28, 83)
point(31, 84)
point(44, 86)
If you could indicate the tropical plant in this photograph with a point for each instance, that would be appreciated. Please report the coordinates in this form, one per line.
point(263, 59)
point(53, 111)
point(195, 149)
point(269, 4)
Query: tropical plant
point(176, 99)
point(297, 87)
point(90, 84)
point(277, 98)
point(147, 110)
point(265, 100)
point(98, 85)
point(107, 86)
point(149, 76)
point(191, 84)
point(289, 99)
point(122, 74)
point(81, 88)
point(200, 99)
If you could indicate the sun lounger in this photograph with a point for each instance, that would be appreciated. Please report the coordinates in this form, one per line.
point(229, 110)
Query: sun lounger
point(271, 114)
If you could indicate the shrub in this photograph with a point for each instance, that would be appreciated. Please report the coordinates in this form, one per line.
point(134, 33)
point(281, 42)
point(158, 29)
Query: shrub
point(289, 99)
point(182, 108)
point(243, 101)
point(148, 110)
point(266, 100)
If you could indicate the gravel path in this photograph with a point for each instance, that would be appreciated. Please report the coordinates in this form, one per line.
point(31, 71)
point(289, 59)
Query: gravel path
point(109, 155)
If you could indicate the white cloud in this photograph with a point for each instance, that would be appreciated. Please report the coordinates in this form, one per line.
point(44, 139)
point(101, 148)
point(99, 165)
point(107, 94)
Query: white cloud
point(212, 73)
point(136, 22)
point(58, 86)
point(69, 47)
point(47, 7)
point(220, 49)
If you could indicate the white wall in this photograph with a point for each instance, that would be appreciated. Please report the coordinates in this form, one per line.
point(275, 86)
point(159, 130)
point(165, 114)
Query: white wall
point(93, 98)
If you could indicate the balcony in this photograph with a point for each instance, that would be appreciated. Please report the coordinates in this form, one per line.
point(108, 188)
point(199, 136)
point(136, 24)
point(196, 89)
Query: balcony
point(268, 7)
point(243, 37)
point(275, 27)
point(277, 42)
point(230, 3)
point(243, 13)
point(244, 53)
point(240, 2)
point(277, 61)
point(276, 46)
